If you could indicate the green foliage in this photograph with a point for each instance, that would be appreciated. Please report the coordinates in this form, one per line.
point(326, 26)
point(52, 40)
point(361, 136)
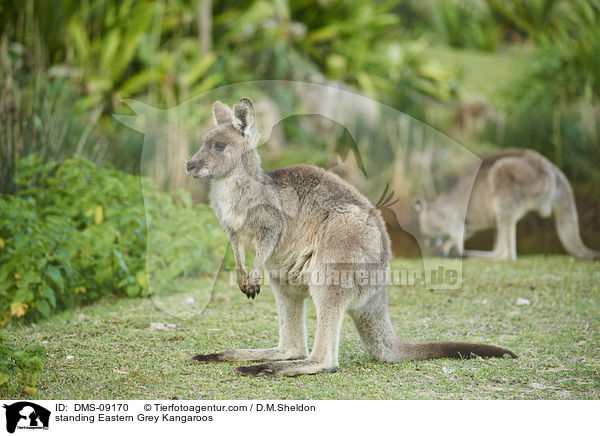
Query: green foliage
point(67, 68)
point(104, 52)
point(566, 66)
point(34, 116)
point(74, 233)
point(115, 49)
point(354, 42)
point(40, 113)
point(523, 18)
point(20, 368)
point(71, 234)
point(555, 105)
point(184, 242)
point(463, 23)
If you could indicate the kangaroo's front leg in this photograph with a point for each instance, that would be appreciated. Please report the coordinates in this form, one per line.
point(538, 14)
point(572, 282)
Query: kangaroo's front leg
point(240, 264)
point(447, 247)
point(266, 237)
point(292, 332)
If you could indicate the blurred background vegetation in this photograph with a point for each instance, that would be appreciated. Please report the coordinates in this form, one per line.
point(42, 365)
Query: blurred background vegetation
point(488, 73)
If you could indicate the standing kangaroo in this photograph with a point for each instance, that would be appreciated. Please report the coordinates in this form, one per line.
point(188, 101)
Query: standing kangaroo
point(304, 222)
point(508, 185)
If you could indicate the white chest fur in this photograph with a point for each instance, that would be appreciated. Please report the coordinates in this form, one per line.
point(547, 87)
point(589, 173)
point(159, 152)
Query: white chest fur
point(229, 208)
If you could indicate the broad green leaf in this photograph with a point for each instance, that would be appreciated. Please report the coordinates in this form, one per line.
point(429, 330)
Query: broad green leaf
point(122, 263)
point(23, 295)
point(56, 276)
point(42, 307)
point(110, 46)
point(138, 82)
point(48, 293)
point(132, 290)
point(199, 68)
point(79, 37)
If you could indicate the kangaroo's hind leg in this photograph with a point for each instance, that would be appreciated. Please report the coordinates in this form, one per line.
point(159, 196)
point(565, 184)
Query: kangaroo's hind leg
point(506, 248)
point(375, 329)
point(324, 355)
point(505, 245)
point(292, 331)
point(492, 254)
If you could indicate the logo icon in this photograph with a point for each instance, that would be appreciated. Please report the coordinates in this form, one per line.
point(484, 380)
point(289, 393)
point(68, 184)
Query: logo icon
point(26, 415)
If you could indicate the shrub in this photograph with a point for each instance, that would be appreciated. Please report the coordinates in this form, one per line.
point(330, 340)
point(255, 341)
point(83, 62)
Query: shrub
point(456, 23)
point(74, 233)
point(554, 105)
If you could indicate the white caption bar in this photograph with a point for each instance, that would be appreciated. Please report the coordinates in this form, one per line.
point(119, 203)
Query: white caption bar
point(276, 417)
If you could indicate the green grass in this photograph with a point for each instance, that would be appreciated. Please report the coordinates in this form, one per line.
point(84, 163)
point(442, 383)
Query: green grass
point(116, 355)
point(484, 73)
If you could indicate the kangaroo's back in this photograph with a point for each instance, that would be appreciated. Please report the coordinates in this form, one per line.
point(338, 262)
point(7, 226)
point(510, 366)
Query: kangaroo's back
point(332, 221)
point(318, 187)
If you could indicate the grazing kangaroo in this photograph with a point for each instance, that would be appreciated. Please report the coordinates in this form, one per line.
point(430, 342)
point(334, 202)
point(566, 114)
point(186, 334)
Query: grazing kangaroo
point(508, 185)
point(306, 223)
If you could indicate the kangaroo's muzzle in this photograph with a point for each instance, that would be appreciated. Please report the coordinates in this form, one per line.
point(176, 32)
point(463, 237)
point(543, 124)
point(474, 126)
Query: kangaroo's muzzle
point(195, 169)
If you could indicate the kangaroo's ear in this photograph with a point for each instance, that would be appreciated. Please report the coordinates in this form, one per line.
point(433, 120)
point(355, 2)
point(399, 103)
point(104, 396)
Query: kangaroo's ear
point(221, 113)
point(419, 204)
point(243, 116)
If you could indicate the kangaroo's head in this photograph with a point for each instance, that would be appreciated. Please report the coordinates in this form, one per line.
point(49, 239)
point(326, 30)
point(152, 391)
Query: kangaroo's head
point(433, 221)
point(223, 148)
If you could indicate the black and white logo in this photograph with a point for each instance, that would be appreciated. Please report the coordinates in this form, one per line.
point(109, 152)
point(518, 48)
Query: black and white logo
point(26, 415)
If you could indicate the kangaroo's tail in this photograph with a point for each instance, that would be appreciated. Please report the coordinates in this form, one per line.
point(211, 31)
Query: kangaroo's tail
point(459, 350)
point(567, 223)
point(380, 339)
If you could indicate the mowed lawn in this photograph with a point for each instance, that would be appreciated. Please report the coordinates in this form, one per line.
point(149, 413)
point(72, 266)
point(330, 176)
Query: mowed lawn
point(127, 349)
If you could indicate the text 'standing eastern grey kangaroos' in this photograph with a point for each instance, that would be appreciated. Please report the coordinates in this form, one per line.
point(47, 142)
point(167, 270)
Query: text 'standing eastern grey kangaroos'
point(304, 222)
point(508, 185)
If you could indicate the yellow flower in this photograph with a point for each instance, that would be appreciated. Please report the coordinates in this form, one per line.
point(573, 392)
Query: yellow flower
point(18, 309)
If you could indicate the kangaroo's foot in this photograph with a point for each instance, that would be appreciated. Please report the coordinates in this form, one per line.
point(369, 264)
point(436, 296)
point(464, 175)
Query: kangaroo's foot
point(242, 355)
point(494, 255)
point(288, 368)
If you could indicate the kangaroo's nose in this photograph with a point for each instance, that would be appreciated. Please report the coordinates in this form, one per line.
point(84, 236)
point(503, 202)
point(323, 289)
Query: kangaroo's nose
point(190, 165)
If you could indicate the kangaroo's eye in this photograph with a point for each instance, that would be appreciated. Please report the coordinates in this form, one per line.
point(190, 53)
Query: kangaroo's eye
point(220, 146)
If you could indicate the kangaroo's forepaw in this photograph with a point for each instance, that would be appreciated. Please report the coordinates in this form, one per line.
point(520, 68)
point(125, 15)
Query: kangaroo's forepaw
point(254, 280)
point(206, 358)
point(253, 291)
point(251, 288)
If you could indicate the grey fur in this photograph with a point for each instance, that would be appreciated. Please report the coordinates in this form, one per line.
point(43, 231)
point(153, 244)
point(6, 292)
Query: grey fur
point(303, 221)
point(508, 185)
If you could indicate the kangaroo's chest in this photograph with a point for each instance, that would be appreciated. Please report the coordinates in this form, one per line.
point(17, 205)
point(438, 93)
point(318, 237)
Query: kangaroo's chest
point(229, 209)
point(245, 210)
